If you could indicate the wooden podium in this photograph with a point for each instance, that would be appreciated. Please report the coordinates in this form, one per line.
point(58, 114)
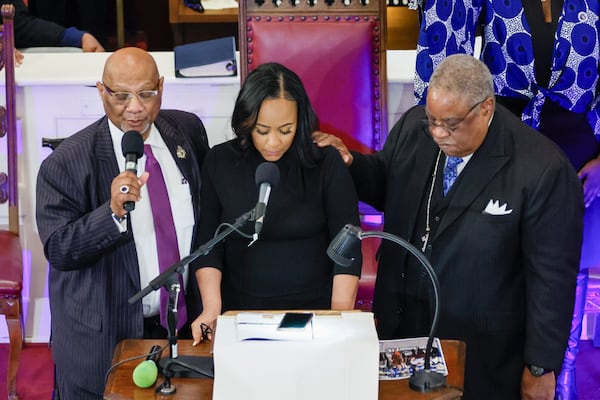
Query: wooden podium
point(120, 384)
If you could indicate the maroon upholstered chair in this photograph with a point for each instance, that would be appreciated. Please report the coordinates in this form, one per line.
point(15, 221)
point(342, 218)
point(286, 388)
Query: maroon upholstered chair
point(11, 267)
point(337, 47)
point(338, 51)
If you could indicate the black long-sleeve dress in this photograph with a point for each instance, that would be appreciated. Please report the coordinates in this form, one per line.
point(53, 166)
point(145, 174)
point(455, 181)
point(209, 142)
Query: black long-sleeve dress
point(288, 266)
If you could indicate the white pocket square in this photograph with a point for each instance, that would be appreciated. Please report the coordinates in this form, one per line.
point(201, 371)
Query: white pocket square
point(494, 208)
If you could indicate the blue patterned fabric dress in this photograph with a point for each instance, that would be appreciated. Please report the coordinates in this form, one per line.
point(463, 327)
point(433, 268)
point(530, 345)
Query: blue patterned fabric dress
point(449, 27)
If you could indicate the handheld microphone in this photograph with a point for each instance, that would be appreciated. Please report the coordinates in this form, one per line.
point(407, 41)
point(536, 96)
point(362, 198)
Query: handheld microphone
point(266, 178)
point(146, 372)
point(132, 145)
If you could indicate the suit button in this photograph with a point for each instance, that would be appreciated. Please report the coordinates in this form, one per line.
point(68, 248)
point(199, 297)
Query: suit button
point(437, 219)
point(429, 247)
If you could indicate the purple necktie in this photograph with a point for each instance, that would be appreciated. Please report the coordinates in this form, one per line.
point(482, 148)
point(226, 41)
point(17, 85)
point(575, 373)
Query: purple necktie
point(166, 237)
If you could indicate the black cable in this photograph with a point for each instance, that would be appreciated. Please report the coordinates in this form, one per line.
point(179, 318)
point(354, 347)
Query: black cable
point(146, 355)
point(175, 361)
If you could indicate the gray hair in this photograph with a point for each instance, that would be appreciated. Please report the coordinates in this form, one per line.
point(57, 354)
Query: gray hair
point(464, 75)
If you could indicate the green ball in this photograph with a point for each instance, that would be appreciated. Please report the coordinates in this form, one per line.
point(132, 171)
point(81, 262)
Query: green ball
point(145, 374)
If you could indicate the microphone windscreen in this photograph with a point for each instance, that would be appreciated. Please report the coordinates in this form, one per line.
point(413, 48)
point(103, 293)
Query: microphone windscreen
point(132, 143)
point(345, 246)
point(267, 172)
point(145, 374)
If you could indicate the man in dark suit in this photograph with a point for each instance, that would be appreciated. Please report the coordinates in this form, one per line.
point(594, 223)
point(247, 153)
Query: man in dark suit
point(504, 240)
point(99, 254)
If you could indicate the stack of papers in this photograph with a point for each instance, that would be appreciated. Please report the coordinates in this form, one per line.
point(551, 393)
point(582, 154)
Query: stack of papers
point(219, 4)
point(209, 58)
point(263, 326)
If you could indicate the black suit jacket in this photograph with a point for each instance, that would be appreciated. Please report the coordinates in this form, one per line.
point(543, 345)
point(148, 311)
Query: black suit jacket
point(507, 276)
point(93, 267)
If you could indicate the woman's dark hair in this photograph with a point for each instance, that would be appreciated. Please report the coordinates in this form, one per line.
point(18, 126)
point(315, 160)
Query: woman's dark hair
point(273, 81)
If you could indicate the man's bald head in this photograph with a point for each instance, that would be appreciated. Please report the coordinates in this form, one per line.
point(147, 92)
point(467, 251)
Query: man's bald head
point(130, 61)
point(131, 71)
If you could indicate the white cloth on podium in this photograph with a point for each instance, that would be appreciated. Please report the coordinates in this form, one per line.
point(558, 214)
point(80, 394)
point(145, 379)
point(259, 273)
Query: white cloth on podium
point(340, 362)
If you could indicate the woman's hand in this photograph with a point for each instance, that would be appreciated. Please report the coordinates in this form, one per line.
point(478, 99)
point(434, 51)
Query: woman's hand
point(209, 283)
point(203, 328)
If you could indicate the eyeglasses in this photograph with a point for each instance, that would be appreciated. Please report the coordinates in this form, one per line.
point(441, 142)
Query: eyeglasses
point(123, 98)
point(450, 128)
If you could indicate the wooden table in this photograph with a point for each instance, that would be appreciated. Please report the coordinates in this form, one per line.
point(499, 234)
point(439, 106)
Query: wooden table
point(120, 385)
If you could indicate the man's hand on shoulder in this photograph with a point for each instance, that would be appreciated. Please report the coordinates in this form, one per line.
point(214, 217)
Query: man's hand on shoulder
point(537, 387)
point(323, 139)
point(90, 44)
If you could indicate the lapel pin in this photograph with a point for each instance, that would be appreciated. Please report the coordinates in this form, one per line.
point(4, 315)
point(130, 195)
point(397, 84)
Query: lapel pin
point(181, 152)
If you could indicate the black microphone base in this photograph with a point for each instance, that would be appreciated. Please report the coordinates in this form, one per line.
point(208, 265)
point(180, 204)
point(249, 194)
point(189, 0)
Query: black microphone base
point(426, 381)
point(187, 367)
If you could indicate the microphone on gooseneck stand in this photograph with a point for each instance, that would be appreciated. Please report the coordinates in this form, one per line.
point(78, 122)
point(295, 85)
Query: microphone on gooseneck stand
point(266, 178)
point(132, 145)
point(342, 249)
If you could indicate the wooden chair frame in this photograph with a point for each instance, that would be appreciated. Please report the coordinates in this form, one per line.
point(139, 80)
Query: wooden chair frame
point(11, 261)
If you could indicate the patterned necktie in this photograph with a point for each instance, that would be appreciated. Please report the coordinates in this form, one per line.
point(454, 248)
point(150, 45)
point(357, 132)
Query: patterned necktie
point(451, 172)
point(166, 237)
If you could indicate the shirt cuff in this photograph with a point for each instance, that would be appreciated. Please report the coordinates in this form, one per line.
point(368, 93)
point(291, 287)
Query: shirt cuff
point(71, 37)
point(120, 222)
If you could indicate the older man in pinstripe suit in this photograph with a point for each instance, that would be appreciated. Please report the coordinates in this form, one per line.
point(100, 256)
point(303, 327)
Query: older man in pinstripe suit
point(99, 254)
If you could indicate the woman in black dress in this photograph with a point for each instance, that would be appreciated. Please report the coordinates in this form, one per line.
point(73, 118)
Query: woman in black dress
point(287, 267)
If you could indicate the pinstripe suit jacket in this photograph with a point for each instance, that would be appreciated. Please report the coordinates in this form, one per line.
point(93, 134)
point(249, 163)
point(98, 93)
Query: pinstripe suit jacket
point(507, 281)
point(94, 268)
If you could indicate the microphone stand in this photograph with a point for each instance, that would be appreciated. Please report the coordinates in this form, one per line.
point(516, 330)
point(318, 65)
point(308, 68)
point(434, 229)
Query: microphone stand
point(425, 380)
point(178, 267)
point(166, 388)
point(175, 365)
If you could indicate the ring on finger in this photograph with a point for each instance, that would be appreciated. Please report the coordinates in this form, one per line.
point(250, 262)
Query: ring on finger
point(124, 189)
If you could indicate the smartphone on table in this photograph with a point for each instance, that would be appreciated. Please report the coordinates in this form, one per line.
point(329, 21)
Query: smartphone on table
point(295, 321)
